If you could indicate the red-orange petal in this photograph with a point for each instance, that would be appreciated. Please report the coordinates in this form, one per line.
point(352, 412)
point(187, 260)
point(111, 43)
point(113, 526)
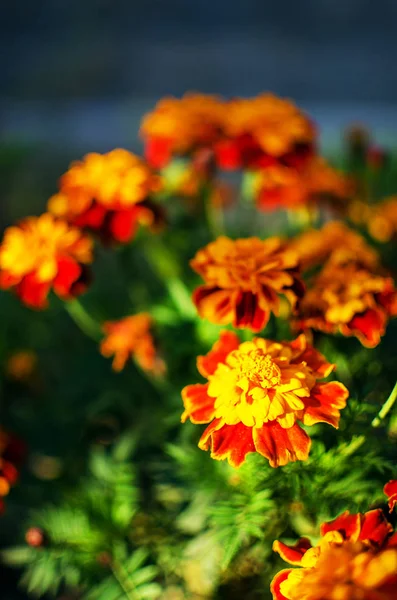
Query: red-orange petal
point(248, 313)
point(69, 272)
point(325, 402)
point(367, 327)
point(348, 525)
point(199, 407)
point(7, 280)
point(314, 359)
point(276, 583)
point(227, 342)
point(375, 527)
point(390, 490)
point(32, 292)
point(281, 446)
point(158, 151)
point(214, 304)
point(292, 554)
point(122, 225)
point(231, 442)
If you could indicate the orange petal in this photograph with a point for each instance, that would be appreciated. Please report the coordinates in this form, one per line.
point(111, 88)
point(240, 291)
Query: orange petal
point(314, 359)
point(281, 446)
point(276, 583)
point(292, 554)
point(390, 490)
point(248, 312)
point(367, 327)
point(214, 304)
point(227, 342)
point(199, 407)
point(375, 527)
point(325, 402)
point(348, 525)
point(232, 442)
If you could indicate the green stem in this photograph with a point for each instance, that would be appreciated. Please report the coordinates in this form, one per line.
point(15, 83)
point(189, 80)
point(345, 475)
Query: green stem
point(83, 319)
point(388, 405)
point(117, 571)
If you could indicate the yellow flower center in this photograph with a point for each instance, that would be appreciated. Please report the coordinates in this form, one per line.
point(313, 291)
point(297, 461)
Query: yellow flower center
point(258, 384)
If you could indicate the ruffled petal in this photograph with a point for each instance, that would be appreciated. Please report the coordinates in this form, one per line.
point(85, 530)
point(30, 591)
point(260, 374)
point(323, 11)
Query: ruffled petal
point(314, 359)
point(199, 407)
point(214, 304)
point(368, 327)
point(227, 342)
point(325, 402)
point(281, 446)
point(276, 583)
point(348, 525)
point(390, 490)
point(248, 312)
point(375, 527)
point(231, 442)
point(292, 554)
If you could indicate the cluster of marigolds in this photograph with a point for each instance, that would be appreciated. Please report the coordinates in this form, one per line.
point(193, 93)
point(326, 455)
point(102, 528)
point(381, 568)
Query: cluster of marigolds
point(260, 393)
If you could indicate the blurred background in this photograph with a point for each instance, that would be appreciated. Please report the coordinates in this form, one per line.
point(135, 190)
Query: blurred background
point(77, 76)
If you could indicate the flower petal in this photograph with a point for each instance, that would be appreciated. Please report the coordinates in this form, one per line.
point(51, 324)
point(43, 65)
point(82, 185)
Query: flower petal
point(32, 292)
point(324, 404)
point(122, 225)
point(292, 554)
point(375, 527)
point(276, 583)
point(227, 342)
point(232, 442)
point(347, 524)
point(368, 327)
point(199, 407)
point(390, 490)
point(68, 273)
point(281, 446)
point(214, 304)
point(248, 312)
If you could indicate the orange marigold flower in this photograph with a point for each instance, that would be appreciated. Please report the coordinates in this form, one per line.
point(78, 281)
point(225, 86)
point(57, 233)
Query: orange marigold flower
point(181, 126)
point(256, 393)
point(280, 186)
point(44, 253)
point(355, 559)
point(390, 490)
point(108, 193)
point(244, 279)
point(131, 338)
point(261, 131)
point(336, 243)
point(349, 299)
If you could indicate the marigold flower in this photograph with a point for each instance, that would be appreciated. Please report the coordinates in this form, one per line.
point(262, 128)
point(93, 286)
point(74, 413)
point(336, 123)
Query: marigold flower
point(131, 338)
point(108, 193)
point(256, 394)
point(44, 253)
point(355, 559)
point(351, 300)
point(244, 279)
point(280, 186)
point(262, 131)
point(390, 490)
point(335, 243)
point(181, 126)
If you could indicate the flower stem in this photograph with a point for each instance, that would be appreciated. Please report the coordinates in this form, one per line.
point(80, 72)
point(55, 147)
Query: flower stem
point(388, 405)
point(83, 319)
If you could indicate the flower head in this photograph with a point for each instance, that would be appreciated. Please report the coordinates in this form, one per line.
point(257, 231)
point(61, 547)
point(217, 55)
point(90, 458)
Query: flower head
point(131, 338)
point(107, 193)
point(261, 131)
point(355, 559)
point(256, 394)
point(244, 279)
point(349, 299)
point(181, 126)
point(44, 253)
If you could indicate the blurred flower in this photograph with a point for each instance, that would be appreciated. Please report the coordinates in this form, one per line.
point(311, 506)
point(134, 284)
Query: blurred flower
point(21, 365)
point(256, 393)
point(382, 220)
point(334, 242)
point(280, 186)
point(181, 126)
point(12, 454)
point(244, 279)
point(35, 537)
point(349, 299)
point(109, 194)
point(262, 131)
point(355, 559)
point(131, 338)
point(44, 253)
point(390, 490)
